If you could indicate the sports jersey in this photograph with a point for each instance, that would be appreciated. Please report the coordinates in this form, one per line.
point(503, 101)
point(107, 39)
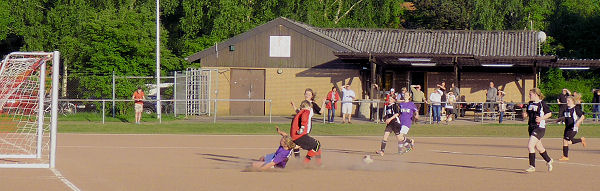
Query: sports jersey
point(281, 157)
point(571, 116)
point(534, 110)
point(407, 111)
point(300, 126)
point(391, 110)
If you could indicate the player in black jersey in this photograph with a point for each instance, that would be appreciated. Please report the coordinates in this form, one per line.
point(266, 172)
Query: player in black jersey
point(573, 119)
point(537, 111)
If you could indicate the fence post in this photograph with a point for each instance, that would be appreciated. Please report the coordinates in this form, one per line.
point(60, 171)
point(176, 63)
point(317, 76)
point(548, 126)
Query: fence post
point(175, 95)
point(270, 110)
point(215, 115)
point(113, 94)
point(103, 104)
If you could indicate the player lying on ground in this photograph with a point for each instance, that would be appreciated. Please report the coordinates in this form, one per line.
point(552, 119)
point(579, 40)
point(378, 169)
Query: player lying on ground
point(538, 111)
point(279, 158)
point(573, 117)
point(299, 134)
point(398, 120)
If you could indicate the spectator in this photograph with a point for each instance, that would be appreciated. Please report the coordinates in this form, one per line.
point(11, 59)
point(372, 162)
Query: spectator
point(347, 98)
point(450, 99)
point(596, 102)
point(332, 98)
point(400, 96)
point(442, 87)
point(391, 94)
point(501, 105)
point(138, 98)
point(562, 104)
point(418, 98)
point(490, 98)
point(436, 105)
point(456, 91)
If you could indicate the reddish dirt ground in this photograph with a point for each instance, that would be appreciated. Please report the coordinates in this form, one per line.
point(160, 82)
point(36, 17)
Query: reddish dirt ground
point(213, 162)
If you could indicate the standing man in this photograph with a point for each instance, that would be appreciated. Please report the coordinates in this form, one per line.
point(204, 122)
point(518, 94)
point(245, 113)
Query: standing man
point(490, 97)
point(596, 106)
point(418, 98)
point(436, 105)
point(138, 98)
point(347, 99)
point(562, 104)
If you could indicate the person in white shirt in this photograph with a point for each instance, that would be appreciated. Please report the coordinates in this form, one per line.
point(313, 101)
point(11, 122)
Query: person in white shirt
point(347, 98)
point(436, 105)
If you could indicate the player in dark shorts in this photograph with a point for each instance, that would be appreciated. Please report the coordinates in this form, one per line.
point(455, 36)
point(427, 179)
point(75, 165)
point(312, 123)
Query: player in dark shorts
point(309, 95)
point(537, 111)
point(573, 117)
point(299, 133)
point(397, 124)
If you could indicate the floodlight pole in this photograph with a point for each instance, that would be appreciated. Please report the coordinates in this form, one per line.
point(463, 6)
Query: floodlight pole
point(158, 108)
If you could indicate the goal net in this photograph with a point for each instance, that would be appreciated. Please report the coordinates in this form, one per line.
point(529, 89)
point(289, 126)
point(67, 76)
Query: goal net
point(28, 100)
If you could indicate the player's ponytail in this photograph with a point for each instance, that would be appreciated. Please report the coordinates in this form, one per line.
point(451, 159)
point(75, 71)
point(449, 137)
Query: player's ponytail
point(537, 92)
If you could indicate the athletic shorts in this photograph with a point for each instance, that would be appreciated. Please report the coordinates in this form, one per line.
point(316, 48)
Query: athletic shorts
point(139, 107)
point(393, 127)
point(569, 134)
point(269, 158)
point(537, 133)
point(347, 108)
point(404, 129)
point(449, 111)
point(308, 143)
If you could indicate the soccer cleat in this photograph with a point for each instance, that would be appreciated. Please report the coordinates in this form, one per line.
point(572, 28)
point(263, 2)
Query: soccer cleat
point(530, 169)
point(583, 142)
point(549, 164)
point(563, 158)
point(412, 144)
point(380, 152)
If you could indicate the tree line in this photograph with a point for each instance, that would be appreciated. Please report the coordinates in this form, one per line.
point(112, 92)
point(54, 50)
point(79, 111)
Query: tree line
point(99, 37)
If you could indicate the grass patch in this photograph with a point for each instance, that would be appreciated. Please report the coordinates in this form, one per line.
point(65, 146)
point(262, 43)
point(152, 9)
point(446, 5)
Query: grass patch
point(191, 127)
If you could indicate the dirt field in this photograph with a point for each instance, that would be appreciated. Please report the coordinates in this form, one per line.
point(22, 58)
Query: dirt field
point(209, 162)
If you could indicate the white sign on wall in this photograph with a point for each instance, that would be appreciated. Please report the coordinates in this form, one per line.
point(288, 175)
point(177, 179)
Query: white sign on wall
point(280, 46)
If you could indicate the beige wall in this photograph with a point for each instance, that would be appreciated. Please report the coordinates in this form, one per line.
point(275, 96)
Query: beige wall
point(290, 85)
point(474, 84)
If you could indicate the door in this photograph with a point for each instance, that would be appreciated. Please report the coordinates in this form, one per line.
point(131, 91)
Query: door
point(247, 84)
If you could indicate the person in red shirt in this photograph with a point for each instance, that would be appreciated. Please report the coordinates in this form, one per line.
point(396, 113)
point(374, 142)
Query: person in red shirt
point(138, 98)
point(332, 98)
point(299, 133)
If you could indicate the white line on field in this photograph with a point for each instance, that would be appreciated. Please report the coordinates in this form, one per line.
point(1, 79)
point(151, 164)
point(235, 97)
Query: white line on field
point(516, 158)
point(162, 147)
point(64, 180)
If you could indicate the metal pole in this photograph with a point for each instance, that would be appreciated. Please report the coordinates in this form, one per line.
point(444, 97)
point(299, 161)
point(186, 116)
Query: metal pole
point(158, 108)
point(113, 94)
point(54, 108)
point(175, 95)
point(41, 96)
point(270, 111)
point(187, 103)
point(215, 116)
point(103, 105)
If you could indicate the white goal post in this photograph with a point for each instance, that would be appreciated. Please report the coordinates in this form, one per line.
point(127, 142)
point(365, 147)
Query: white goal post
point(28, 109)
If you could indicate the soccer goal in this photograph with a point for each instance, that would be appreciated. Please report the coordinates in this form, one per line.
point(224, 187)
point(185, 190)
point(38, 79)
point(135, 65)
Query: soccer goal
point(28, 109)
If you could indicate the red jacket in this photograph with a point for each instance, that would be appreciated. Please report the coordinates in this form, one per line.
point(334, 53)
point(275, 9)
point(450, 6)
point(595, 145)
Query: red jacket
point(300, 124)
point(333, 100)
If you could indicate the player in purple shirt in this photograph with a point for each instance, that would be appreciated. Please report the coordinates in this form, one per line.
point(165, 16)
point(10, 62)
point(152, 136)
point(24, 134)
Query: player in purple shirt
point(279, 158)
point(398, 120)
point(407, 112)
